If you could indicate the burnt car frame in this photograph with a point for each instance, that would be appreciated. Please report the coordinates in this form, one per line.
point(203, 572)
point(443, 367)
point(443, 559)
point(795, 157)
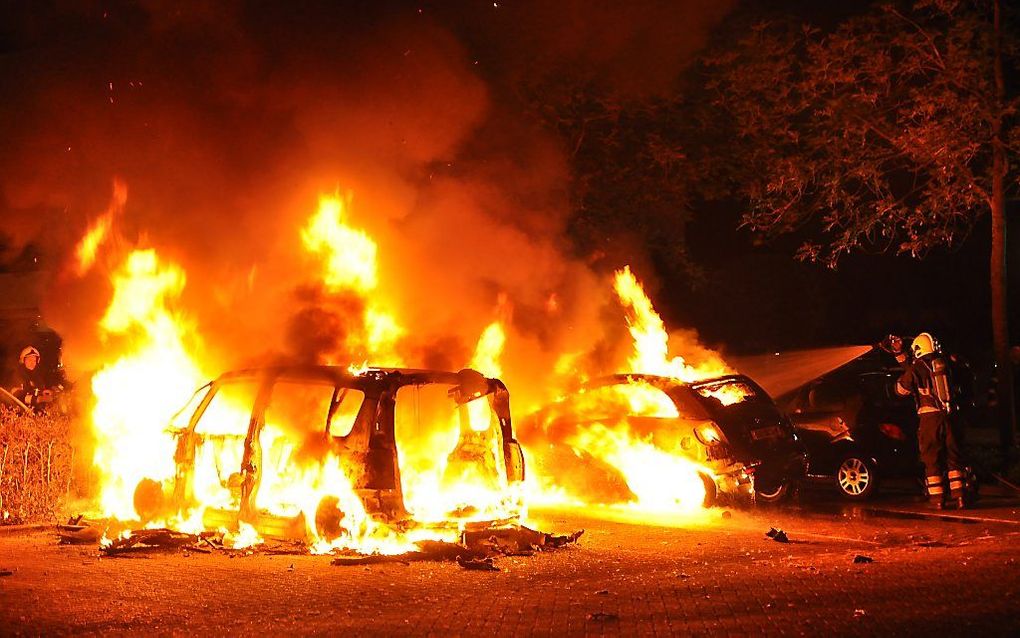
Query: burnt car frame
point(370, 445)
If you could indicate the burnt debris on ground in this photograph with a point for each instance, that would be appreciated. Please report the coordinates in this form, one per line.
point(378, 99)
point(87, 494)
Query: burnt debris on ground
point(777, 535)
point(475, 550)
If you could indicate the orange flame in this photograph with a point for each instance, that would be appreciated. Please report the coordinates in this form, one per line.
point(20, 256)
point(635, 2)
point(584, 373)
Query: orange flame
point(651, 341)
point(98, 231)
point(450, 455)
point(349, 259)
point(489, 350)
point(137, 393)
point(349, 254)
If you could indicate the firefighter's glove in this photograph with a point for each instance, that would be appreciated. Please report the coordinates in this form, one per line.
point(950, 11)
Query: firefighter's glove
point(892, 344)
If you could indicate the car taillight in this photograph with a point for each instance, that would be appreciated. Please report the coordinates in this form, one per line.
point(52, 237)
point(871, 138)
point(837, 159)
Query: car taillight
point(892, 431)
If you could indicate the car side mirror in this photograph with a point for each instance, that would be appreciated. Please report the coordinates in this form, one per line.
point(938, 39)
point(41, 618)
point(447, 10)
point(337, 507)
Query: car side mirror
point(470, 385)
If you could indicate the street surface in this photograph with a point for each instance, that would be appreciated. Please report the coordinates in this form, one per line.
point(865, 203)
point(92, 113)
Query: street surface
point(929, 577)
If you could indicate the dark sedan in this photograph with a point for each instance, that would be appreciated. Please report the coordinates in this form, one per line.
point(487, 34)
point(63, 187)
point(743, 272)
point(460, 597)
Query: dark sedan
point(856, 429)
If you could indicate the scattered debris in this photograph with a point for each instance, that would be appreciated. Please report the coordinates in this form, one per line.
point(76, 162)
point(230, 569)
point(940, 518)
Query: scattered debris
point(478, 564)
point(73, 534)
point(860, 558)
point(476, 545)
point(78, 531)
point(683, 575)
point(777, 535)
point(859, 612)
point(476, 550)
point(602, 592)
point(148, 539)
point(6, 572)
point(427, 550)
point(602, 616)
point(560, 541)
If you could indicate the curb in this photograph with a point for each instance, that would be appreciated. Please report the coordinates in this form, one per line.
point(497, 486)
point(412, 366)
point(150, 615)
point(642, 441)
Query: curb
point(946, 517)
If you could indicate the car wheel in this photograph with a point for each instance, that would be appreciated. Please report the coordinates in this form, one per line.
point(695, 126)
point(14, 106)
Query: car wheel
point(711, 491)
point(772, 492)
point(856, 477)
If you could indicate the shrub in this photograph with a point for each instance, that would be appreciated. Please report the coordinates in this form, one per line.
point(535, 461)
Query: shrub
point(36, 465)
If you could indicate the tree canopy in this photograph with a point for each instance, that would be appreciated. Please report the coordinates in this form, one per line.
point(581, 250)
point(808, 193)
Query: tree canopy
point(877, 135)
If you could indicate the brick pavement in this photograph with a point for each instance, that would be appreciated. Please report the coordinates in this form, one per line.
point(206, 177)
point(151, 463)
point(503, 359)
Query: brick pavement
point(721, 579)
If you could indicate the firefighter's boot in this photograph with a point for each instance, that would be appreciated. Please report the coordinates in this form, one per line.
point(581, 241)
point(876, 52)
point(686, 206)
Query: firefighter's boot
point(936, 494)
point(956, 488)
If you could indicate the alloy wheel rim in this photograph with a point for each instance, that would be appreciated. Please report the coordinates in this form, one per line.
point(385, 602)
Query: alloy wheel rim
point(854, 476)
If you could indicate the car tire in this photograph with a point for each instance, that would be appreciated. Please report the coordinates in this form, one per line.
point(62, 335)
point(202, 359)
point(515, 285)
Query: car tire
point(711, 491)
point(856, 477)
point(772, 493)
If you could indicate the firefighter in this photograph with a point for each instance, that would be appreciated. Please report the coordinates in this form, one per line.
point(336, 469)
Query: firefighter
point(926, 377)
point(30, 386)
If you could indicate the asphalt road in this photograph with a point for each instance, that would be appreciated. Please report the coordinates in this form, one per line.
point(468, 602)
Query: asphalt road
point(720, 576)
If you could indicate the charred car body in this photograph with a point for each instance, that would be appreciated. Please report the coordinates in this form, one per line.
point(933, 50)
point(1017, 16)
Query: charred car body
point(728, 425)
point(243, 437)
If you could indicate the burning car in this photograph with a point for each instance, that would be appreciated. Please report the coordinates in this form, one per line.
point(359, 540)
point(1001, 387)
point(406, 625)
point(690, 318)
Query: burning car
point(343, 458)
point(725, 430)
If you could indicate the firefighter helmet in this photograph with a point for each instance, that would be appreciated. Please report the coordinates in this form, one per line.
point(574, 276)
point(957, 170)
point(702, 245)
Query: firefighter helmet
point(924, 344)
point(27, 352)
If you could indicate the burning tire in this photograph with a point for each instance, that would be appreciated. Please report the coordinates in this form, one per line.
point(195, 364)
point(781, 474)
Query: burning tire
point(855, 478)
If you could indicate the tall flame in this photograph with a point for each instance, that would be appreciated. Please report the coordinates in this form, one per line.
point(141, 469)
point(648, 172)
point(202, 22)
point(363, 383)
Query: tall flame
point(599, 423)
point(651, 341)
point(450, 458)
point(137, 393)
point(350, 264)
point(99, 230)
point(349, 254)
point(489, 349)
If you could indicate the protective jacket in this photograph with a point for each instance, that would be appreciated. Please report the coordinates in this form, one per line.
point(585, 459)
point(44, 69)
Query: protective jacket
point(920, 378)
point(927, 379)
point(28, 383)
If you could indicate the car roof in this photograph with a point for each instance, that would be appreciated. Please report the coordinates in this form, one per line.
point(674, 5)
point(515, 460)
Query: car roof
point(662, 381)
point(341, 375)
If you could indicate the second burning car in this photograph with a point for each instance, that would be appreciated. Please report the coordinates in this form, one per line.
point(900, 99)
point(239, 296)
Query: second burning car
point(726, 429)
